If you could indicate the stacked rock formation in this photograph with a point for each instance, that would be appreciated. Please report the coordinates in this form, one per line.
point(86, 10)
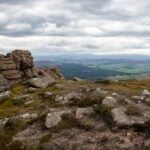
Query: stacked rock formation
point(14, 67)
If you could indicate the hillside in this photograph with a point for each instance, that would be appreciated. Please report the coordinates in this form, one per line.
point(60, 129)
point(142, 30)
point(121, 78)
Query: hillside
point(40, 110)
point(99, 67)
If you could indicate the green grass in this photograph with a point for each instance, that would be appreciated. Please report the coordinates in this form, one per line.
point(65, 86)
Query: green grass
point(17, 89)
point(8, 109)
point(104, 112)
point(6, 134)
point(46, 138)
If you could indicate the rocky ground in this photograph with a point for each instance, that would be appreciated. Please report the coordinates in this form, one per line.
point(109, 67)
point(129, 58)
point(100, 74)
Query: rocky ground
point(47, 112)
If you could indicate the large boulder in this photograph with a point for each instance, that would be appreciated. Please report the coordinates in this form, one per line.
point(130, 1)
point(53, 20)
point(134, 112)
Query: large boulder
point(121, 118)
point(15, 67)
point(41, 82)
point(18, 66)
point(22, 58)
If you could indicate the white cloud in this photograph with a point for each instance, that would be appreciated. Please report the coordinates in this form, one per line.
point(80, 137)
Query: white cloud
point(82, 26)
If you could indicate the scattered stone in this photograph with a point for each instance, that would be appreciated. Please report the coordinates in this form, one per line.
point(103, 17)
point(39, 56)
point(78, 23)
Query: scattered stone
point(55, 73)
point(29, 102)
point(52, 72)
point(147, 144)
point(145, 92)
point(100, 91)
point(73, 96)
point(122, 119)
point(3, 122)
point(41, 82)
point(109, 101)
point(115, 94)
point(20, 99)
point(58, 98)
point(5, 95)
point(47, 94)
point(27, 116)
point(54, 118)
point(60, 86)
point(82, 112)
point(141, 98)
point(77, 79)
point(147, 101)
point(30, 90)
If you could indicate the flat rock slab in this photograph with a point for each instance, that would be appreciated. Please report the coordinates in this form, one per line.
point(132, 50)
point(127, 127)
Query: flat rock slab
point(122, 119)
point(41, 82)
point(54, 118)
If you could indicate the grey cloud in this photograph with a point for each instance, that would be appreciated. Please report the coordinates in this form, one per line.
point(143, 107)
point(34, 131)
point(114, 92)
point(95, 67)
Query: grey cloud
point(61, 19)
point(14, 2)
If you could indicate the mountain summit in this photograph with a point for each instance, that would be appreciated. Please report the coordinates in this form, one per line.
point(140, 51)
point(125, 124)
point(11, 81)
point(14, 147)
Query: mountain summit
point(40, 110)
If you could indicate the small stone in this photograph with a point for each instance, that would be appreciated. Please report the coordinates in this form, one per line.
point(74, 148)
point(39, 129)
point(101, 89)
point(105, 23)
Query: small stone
point(71, 96)
point(138, 98)
point(82, 112)
point(5, 95)
point(109, 101)
point(21, 99)
point(30, 90)
point(54, 118)
point(130, 136)
point(145, 92)
point(3, 122)
point(115, 94)
point(28, 116)
point(60, 86)
point(100, 91)
point(77, 79)
point(58, 98)
point(147, 144)
point(47, 94)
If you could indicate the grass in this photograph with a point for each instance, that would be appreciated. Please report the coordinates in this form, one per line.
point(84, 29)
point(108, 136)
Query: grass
point(6, 134)
point(17, 89)
point(8, 109)
point(88, 101)
point(84, 102)
point(104, 112)
point(107, 82)
point(46, 138)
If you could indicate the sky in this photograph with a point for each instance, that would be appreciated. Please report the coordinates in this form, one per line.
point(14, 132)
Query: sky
point(46, 27)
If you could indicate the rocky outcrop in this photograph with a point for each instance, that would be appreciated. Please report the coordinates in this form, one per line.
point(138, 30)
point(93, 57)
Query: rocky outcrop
point(52, 72)
point(19, 65)
point(14, 67)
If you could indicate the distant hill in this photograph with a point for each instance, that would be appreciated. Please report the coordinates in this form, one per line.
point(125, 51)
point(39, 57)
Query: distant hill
point(94, 67)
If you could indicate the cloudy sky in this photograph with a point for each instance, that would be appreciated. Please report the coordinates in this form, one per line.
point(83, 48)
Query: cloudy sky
point(75, 26)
